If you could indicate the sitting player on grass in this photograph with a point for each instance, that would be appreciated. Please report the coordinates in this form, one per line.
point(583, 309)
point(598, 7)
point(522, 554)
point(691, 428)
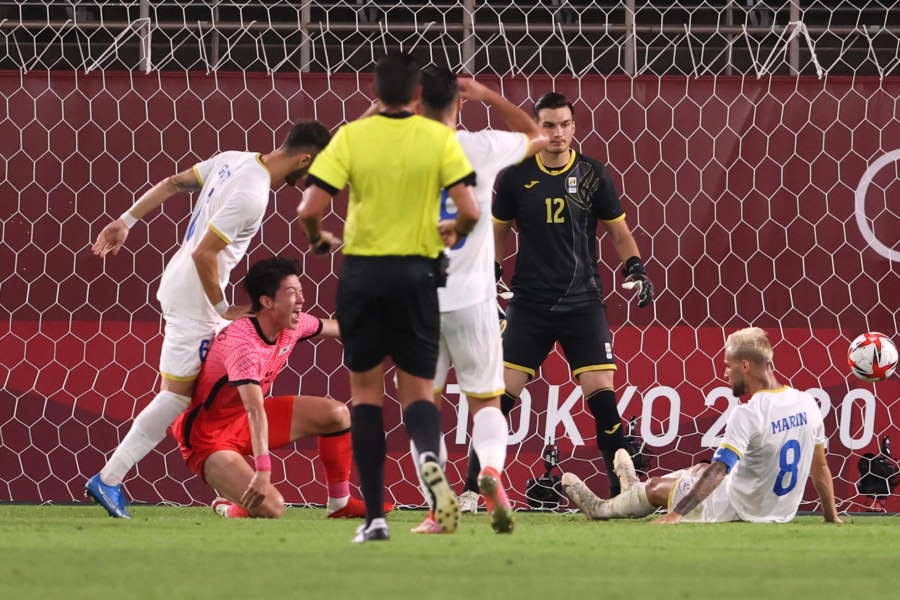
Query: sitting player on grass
point(230, 418)
point(772, 444)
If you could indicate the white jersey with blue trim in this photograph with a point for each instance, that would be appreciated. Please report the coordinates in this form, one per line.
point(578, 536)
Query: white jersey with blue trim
point(769, 441)
point(471, 273)
point(231, 204)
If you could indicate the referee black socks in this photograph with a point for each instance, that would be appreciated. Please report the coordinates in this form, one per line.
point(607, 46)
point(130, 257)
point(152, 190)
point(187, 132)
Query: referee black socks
point(369, 449)
point(423, 424)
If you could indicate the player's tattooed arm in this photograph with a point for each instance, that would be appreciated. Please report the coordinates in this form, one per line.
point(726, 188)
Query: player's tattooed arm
point(709, 481)
point(113, 236)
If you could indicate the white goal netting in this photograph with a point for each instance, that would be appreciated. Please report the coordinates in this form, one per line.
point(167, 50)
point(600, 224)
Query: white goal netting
point(754, 145)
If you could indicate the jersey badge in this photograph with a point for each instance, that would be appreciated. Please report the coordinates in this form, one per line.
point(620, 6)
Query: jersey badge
point(531, 184)
point(283, 351)
point(572, 184)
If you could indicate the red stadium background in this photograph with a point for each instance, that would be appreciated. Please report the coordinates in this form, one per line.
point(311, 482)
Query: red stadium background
point(740, 192)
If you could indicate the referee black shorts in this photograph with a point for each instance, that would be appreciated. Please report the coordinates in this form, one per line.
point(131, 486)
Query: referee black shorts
point(388, 306)
point(582, 332)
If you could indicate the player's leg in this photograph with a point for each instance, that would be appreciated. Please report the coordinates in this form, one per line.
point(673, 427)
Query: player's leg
point(527, 340)
point(639, 500)
point(587, 343)
point(185, 344)
point(229, 473)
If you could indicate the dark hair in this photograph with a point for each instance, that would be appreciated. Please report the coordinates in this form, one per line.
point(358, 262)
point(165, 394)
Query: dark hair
point(553, 100)
point(396, 77)
point(265, 277)
point(439, 88)
point(304, 135)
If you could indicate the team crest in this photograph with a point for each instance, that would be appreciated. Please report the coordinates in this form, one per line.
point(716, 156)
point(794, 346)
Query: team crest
point(572, 184)
point(283, 351)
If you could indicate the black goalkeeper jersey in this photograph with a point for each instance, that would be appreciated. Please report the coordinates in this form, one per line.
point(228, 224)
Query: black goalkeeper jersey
point(556, 212)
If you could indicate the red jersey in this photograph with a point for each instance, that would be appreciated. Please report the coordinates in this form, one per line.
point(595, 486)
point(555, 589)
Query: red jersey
point(240, 354)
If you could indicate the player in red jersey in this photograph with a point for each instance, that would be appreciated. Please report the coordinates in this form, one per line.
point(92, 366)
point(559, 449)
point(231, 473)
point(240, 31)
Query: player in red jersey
point(230, 417)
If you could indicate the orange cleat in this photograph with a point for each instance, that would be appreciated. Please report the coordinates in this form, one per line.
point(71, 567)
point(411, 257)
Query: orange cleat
point(495, 500)
point(429, 525)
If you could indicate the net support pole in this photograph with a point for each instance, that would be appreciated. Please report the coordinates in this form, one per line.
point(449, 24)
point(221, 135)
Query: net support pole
point(145, 48)
point(468, 33)
point(305, 46)
point(214, 43)
point(630, 58)
point(795, 43)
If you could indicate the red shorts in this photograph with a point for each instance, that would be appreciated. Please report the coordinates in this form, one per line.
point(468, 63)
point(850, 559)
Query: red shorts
point(211, 431)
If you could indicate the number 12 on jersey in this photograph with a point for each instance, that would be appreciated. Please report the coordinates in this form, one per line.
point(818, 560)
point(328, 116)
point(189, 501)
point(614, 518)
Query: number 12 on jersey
point(555, 207)
point(786, 480)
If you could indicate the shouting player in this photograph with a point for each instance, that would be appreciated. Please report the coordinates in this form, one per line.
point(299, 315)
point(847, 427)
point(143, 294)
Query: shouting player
point(772, 444)
point(234, 193)
point(470, 334)
point(556, 200)
point(230, 417)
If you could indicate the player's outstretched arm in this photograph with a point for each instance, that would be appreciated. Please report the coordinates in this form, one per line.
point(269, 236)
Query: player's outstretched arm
point(252, 397)
point(824, 484)
point(113, 236)
point(709, 481)
point(516, 118)
point(330, 328)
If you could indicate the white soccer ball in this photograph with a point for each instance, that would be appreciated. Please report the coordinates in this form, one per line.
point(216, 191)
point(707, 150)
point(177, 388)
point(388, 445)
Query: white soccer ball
point(872, 356)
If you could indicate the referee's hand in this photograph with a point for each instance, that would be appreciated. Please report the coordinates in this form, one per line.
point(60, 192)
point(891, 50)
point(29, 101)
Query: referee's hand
point(449, 235)
point(326, 242)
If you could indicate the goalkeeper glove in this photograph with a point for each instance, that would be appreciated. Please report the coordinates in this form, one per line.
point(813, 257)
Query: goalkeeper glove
point(635, 272)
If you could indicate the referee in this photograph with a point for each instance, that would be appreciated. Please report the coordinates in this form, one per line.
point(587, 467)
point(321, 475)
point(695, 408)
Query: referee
point(396, 164)
point(556, 200)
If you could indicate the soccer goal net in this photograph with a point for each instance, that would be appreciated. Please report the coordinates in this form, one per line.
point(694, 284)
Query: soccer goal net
point(754, 145)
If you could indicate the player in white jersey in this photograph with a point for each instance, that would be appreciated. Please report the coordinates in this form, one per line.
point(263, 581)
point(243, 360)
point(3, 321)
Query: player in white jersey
point(470, 331)
point(234, 193)
point(758, 474)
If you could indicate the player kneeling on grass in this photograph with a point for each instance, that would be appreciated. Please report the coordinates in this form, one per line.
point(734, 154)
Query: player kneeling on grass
point(230, 418)
point(772, 444)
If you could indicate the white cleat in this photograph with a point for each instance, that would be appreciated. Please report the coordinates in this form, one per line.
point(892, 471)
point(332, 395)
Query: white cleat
point(624, 468)
point(586, 501)
point(468, 501)
point(377, 531)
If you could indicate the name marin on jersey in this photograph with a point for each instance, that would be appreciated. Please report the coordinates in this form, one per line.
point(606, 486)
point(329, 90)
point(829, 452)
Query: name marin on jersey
point(790, 422)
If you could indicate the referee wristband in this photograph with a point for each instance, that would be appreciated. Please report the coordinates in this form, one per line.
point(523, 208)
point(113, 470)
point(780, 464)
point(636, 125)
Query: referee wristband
point(128, 219)
point(263, 462)
point(222, 307)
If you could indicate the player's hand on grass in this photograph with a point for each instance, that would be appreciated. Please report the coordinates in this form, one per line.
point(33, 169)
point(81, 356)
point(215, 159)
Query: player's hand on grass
point(471, 89)
point(668, 519)
point(636, 277)
point(255, 493)
point(238, 311)
point(111, 239)
point(325, 243)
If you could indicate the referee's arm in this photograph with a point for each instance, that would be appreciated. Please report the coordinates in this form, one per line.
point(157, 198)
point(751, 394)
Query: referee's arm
point(311, 209)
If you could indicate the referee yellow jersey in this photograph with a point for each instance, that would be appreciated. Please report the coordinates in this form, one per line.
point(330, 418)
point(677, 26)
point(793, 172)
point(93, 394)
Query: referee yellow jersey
point(396, 166)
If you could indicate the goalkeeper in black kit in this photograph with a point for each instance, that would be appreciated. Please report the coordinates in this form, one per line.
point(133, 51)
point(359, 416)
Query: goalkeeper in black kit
point(555, 200)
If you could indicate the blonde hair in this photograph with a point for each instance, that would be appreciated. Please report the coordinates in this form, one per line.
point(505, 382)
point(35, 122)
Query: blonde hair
point(751, 344)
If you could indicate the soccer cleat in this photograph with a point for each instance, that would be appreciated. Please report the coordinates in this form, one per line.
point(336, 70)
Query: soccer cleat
point(355, 509)
point(429, 525)
point(377, 531)
point(110, 497)
point(578, 493)
point(228, 509)
point(446, 507)
point(624, 468)
point(495, 500)
point(468, 502)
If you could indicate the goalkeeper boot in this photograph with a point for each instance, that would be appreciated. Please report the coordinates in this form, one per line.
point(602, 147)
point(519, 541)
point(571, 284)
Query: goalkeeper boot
point(581, 496)
point(446, 507)
point(495, 500)
point(468, 502)
point(353, 508)
point(376, 531)
point(110, 497)
point(624, 468)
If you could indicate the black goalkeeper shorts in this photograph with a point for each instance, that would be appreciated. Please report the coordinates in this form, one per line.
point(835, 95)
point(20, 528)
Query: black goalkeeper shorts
point(583, 334)
point(388, 306)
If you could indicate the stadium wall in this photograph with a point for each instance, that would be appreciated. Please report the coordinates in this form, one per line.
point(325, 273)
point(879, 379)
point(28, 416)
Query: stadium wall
point(741, 192)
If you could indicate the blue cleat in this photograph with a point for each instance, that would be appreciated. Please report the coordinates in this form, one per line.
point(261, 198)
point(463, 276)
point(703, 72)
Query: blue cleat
point(110, 497)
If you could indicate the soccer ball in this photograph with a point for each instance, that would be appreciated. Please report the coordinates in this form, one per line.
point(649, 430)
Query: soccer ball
point(872, 356)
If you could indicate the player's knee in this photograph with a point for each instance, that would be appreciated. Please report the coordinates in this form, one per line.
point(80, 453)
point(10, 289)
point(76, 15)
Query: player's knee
point(339, 417)
point(658, 491)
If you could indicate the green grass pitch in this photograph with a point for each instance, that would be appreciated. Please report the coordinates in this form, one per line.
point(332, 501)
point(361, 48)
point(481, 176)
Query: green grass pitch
point(70, 552)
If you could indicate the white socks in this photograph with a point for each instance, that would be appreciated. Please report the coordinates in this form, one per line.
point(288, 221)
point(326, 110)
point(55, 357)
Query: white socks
point(148, 430)
point(489, 434)
point(630, 504)
point(417, 461)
